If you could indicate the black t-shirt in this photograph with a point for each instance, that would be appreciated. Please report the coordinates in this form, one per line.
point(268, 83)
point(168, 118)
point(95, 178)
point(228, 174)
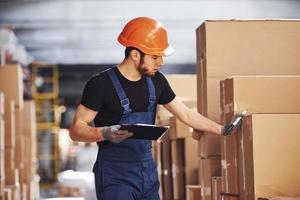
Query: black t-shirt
point(100, 95)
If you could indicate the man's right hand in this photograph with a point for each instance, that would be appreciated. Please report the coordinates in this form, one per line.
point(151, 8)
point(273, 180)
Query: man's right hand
point(114, 134)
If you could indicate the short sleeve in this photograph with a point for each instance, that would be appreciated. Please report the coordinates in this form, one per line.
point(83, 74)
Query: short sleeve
point(91, 96)
point(167, 94)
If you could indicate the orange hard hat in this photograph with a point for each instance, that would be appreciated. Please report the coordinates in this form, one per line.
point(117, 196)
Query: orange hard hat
point(147, 35)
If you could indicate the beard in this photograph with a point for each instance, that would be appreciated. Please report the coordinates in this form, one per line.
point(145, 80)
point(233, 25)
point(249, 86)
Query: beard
point(143, 69)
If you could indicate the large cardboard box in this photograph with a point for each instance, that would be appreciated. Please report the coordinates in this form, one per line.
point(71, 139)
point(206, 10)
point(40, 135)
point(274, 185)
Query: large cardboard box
point(178, 129)
point(256, 94)
point(29, 132)
point(184, 167)
point(177, 157)
point(260, 94)
point(193, 192)
point(190, 161)
point(166, 163)
point(11, 83)
point(269, 156)
point(10, 124)
point(180, 82)
point(209, 145)
point(243, 47)
point(207, 168)
point(216, 187)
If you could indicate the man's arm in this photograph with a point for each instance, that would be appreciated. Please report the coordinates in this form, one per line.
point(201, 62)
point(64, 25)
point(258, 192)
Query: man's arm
point(192, 118)
point(82, 132)
point(80, 129)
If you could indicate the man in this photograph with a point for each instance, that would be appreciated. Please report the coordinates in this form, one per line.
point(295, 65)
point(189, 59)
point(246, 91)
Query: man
point(129, 94)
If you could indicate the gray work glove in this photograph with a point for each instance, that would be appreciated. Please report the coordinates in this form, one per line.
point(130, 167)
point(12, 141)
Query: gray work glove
point(234, 123)
point(113, 134)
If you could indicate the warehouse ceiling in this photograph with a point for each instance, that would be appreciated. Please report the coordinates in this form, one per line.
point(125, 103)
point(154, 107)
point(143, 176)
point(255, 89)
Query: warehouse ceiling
point(85, 31)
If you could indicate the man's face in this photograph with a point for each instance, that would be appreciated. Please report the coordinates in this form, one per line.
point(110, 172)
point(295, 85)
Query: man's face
point(150, 64)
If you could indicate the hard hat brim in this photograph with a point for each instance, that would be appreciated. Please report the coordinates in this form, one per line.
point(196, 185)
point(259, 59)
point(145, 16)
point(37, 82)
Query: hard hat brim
point(168, 51)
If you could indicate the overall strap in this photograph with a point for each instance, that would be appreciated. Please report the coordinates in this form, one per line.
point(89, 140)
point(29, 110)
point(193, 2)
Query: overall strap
point(152, 96)
point(121, 94)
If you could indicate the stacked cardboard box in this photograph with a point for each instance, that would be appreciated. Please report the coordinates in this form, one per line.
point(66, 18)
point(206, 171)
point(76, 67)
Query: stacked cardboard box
point(193, 192)
point(20, 139)
point(242, 48)
point(216, 186)
point(258, 94)
point(177, 151)
point(2, 172)
point(268, 156)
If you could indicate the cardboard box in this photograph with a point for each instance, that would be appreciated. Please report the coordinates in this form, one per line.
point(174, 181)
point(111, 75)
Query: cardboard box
point(9, 157)
point(11, 83)
point(190, 161)
point(180, 82)
point(178, 129)
point(20, 139)
point(2, 105)
point(193, 192)
point(157, 151)
point(167, 186)
point(7, 194)
point(10, 124)
point(177, 157)
point(207, 168)
point(163, 117)
point(229, 164)
point(243, 47)
point(216, 187)
point(254, 94)
point(269, 156)
point(29, 132)
point(209, 145)
point(229, 197)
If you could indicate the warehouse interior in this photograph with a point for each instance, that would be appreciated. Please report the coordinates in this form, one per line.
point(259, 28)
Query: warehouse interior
point(230, 56)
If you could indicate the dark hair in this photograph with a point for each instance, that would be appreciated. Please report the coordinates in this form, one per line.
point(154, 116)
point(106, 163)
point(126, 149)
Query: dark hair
point(128, 49)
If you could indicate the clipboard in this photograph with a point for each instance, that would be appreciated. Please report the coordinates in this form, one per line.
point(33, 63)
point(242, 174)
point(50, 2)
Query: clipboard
point(145, 131)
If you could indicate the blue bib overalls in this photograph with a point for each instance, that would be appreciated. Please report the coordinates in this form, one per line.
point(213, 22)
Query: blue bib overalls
point(126, 170)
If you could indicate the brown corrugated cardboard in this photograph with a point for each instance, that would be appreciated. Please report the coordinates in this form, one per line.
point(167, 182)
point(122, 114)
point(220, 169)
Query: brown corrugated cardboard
point(10, 124)
point(7, 194)
point(190, 161)
point(29, 132)
point(158, 160)
point(229, 197)
point(178, 129)
point(269, 155)
point(177, 157)
point(254, 94)
point(216, 186)
point(229, 164)
point(20, 140)
point(180, 82)
point(11, 83)
point(193, 192)
point(166, 170)
point(207, 168)
point(163, 116)
point(279, 198)
point(231, 48)
point(2, 105)
point(209, 145)
point(9, 158)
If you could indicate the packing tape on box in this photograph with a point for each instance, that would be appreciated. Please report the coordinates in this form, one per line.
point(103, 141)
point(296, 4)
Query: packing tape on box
point(205, 191)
